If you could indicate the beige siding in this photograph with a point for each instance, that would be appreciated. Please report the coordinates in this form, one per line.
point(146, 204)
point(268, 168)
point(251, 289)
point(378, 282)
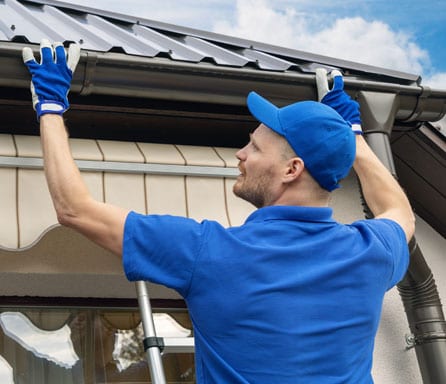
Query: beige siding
point(35, 208)
point(28, 212)
point(238, 210)
point(205, 196)
point(165, 194)
point(9, 235)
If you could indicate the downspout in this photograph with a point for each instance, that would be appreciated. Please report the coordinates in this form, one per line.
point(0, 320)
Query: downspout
point(418, 290)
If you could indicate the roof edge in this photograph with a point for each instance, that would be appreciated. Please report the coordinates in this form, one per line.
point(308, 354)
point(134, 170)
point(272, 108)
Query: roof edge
point(345, 65)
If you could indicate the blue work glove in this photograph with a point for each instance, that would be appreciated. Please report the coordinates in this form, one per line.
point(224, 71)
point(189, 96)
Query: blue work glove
point(51, 78)
point(337, 99)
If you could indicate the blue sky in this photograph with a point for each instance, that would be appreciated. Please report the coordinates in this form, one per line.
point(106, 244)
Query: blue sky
point(401, 35)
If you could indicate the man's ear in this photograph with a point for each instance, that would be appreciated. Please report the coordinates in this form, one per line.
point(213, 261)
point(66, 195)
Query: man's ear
point(295, 167)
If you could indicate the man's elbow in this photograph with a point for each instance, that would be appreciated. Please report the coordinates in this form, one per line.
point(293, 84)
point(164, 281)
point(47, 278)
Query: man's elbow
point(64, 217)
point(404, 217)
point(70, 211)
point(67, 213)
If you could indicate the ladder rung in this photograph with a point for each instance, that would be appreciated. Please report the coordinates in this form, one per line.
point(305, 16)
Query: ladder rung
point(179, 345)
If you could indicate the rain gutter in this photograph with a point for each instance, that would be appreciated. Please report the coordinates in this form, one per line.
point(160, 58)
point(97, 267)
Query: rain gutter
point(118, 74)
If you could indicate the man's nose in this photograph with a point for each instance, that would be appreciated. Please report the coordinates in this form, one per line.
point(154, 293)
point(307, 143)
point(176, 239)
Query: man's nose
point(241, 154)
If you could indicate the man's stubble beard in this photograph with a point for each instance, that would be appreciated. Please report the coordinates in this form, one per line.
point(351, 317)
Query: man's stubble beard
point(258, 193)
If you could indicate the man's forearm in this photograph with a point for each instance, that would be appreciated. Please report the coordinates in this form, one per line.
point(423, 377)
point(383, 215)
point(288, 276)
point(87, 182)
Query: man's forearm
point(75, 208)
point(65, 184)
point(382, 192)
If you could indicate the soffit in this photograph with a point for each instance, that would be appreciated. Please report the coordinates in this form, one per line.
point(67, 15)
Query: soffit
point(420, 161)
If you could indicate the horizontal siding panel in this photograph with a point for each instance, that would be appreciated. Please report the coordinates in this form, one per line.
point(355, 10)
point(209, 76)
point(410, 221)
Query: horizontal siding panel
point(28, 210)
point(9, 236)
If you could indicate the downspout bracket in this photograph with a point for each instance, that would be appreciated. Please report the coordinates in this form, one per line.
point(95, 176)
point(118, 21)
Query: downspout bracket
point(413, 340)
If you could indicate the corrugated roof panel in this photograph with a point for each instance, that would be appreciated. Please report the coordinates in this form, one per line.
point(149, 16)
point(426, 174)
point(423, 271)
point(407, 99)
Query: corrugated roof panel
point(27, 22)
point(219, 55)
point(76, 30)
point(268, 62)
point(175, 49)
point(7, 21)
point(120, 37)
point(5, 31)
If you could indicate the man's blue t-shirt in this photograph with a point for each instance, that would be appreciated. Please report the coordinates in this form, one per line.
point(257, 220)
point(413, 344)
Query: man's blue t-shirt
point(291, 296)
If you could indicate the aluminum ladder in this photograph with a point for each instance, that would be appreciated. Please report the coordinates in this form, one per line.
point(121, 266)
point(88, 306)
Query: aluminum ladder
point(154, 346)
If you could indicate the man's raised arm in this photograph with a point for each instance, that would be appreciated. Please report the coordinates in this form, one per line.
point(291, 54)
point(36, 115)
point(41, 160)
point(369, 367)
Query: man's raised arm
point(382, 192)
point(383, 195)
point(75, 208)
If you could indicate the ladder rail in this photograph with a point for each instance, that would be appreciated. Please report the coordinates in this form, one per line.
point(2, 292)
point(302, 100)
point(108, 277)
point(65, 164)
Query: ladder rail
point(153, 352)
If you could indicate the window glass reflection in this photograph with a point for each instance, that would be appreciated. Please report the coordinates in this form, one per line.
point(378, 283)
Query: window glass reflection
point(6, 372)
point(86, 345)
point(128, 348)
point(55, 346)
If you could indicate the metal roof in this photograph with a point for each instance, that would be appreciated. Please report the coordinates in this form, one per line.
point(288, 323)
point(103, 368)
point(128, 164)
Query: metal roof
point(101, 31)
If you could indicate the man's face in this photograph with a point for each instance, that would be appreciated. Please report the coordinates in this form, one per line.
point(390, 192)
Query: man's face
point(260, 162)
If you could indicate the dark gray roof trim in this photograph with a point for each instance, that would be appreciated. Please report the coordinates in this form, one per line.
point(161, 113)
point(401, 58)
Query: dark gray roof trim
point(118, 74)
point(102, 31)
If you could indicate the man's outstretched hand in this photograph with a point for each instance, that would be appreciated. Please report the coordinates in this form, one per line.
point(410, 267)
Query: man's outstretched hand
point(337, 99)
point(51, 78)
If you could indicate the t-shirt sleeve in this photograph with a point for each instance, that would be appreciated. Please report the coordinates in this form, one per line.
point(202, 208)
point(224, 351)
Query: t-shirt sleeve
point(394, 240)
point(161, 249)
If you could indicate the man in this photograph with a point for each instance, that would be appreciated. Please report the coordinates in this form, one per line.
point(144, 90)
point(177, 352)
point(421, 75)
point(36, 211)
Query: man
point(291, 296)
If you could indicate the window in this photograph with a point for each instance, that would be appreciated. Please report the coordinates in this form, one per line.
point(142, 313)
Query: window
point(86, 345)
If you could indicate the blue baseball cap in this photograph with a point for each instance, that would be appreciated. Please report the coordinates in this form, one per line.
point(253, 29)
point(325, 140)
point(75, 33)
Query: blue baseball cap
point(315, 131)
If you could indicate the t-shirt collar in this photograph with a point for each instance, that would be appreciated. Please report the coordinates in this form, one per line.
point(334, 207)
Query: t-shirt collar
point(280, 212)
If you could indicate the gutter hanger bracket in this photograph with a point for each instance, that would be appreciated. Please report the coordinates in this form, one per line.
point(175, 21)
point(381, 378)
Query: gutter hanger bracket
point(89, 72)
point(421, 103)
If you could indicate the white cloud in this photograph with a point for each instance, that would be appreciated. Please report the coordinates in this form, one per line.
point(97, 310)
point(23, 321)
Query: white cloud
point(354, 39)
point(256, 20)
point(436, 81)
point(372, 43)
point(284, 23)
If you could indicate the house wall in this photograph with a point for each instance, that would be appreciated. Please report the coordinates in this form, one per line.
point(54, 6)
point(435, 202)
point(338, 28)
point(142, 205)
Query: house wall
point(393, 362)
point(63, 263)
